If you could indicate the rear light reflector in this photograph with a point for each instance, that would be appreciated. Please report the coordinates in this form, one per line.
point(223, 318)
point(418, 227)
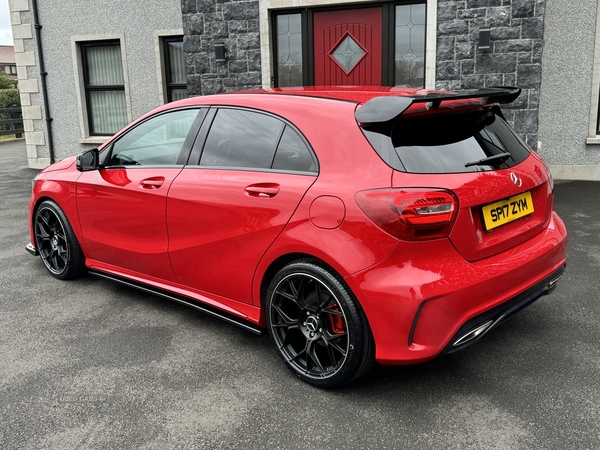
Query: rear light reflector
point(410, 214)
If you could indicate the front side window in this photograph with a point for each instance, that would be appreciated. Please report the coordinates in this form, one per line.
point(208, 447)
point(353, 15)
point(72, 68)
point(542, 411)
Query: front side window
point(104, 87)
point(157, 141)
point(175, 68)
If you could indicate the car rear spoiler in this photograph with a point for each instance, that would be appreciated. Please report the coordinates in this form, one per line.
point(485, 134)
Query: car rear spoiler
point(386, 108)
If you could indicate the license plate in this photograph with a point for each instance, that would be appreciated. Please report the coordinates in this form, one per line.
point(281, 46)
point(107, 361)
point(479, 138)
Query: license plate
point(505, 211)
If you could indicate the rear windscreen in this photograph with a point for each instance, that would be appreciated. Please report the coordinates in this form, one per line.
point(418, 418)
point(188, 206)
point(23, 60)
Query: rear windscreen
point(465, 142)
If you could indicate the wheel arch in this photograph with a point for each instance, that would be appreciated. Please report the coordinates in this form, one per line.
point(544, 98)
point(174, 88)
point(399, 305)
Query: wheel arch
point(278, 263)
point(33, 211)
point(69, 211)
point(275, 266)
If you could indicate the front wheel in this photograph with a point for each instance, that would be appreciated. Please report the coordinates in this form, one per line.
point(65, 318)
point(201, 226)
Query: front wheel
point(317, 326)
point(56, 242)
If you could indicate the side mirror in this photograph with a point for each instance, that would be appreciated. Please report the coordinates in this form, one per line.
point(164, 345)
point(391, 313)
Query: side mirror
point(87, 160)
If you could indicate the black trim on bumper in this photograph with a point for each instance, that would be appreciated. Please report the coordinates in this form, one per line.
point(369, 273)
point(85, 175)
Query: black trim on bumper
point(501, 313)
point(31, 250)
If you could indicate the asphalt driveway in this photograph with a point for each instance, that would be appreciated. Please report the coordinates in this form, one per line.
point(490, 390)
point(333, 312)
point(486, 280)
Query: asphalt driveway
point(92, 364)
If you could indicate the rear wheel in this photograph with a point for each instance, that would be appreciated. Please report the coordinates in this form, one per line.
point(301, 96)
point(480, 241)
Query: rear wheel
point(56, 242)
point(317, 327)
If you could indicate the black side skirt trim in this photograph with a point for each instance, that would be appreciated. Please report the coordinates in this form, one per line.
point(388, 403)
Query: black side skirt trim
point(215, 312)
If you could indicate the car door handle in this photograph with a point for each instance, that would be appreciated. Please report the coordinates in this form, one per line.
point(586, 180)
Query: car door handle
point(263, 190)
point(152, 183)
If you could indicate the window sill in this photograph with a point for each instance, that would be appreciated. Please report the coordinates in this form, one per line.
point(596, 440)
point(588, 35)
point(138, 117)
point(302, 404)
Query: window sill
point(97, 140)
point(593, 140)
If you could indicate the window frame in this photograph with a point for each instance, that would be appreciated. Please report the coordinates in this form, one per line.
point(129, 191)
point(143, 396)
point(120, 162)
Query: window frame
point(170, 85)
point(76, 41)
point(89, 88)
point(161, 62)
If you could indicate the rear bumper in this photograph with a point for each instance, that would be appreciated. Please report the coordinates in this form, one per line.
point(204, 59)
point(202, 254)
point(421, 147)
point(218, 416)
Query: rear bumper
point(424, 297)
point(475, 328)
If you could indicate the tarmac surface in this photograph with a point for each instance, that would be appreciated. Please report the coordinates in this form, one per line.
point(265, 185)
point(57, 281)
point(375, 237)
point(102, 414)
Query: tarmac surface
point(92, 364)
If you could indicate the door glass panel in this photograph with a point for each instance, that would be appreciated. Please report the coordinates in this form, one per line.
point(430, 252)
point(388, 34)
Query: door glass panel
point(242, 139)
point(348, 53)
point(157, 141)
point(289, 50)
point(410, 46)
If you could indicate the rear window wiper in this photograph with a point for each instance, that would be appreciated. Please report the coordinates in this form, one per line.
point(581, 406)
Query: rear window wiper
point(490, 160)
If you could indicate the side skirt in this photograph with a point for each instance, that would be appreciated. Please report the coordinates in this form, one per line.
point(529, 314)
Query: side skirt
point(248, 326)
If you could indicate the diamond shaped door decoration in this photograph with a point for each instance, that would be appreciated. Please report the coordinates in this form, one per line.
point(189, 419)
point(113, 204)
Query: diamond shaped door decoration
point(347, 53)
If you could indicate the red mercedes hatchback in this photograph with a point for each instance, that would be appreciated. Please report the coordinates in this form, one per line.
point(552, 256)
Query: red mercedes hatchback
point(356, 225)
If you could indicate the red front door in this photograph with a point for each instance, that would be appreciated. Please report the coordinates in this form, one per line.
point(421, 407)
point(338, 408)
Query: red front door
point(122, 214)
point(347, 47)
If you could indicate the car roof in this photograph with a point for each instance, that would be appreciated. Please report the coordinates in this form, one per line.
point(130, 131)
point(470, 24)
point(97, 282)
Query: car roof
point(355, 94)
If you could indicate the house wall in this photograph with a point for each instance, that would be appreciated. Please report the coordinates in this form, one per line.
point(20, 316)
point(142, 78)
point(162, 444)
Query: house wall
point(570, 89)
point(234, 23)
point(63, 23)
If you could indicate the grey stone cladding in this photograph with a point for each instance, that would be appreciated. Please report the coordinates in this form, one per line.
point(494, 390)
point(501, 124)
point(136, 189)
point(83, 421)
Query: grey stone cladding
point(234, 23)
point(513, 59)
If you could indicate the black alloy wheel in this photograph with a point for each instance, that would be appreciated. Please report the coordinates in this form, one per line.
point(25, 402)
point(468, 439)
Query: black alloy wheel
point(56, 242)
point(317, 326)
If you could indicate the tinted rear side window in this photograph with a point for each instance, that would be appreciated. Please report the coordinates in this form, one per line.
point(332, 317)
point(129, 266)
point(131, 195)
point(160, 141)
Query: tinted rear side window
point(448, 143)
point(293, 154)
point(242, 139)
point(251, 140)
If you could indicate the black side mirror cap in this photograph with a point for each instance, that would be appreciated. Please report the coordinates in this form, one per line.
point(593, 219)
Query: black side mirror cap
point(88, 160)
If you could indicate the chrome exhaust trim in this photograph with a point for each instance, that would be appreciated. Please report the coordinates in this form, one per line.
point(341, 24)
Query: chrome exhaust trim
point(552, 283)
point(473, 333)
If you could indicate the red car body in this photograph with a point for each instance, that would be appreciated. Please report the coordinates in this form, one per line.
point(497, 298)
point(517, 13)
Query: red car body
point(217, 236)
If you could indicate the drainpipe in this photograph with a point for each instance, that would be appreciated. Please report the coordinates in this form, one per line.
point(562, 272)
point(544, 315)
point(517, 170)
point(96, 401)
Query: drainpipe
point(44, 74)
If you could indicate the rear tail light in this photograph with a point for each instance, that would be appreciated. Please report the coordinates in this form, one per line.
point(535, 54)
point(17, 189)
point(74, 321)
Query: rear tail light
point(410, 214)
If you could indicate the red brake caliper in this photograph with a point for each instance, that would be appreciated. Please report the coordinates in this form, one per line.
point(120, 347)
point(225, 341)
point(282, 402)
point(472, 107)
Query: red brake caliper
point(338, 326)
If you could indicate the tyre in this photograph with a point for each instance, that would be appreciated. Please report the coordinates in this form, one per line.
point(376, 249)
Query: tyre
point(56, 242)
point(317, 326)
